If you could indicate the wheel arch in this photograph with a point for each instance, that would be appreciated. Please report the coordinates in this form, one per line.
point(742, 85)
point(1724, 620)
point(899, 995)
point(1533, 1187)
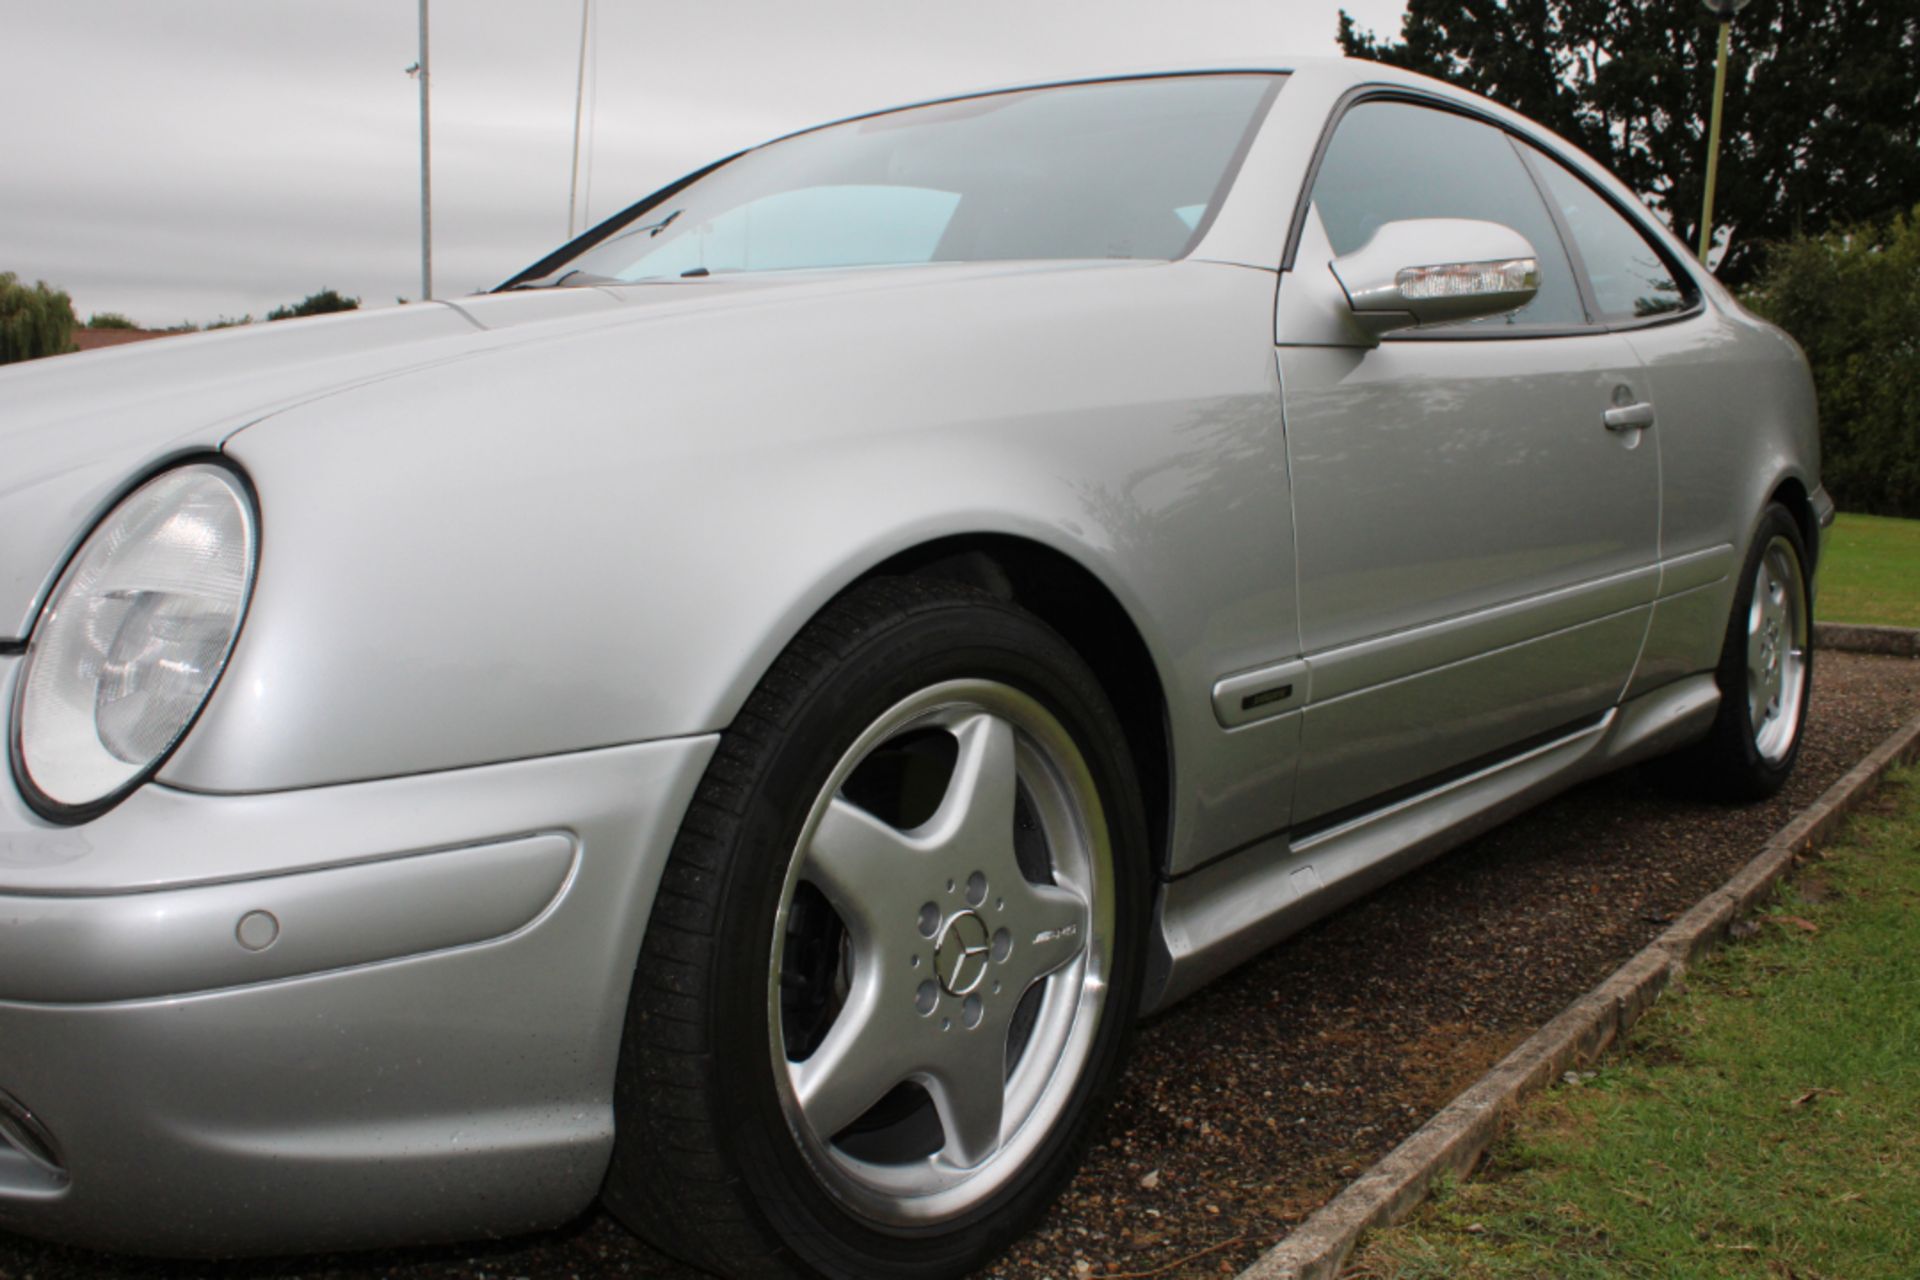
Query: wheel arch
point(1792, 494)
point(1073, 600)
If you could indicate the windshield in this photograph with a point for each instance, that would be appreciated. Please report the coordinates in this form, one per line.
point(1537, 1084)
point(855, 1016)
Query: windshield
point(1116, 169)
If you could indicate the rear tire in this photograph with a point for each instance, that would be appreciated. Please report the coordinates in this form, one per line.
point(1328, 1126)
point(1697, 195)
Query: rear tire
point(1765, 674)
point(890, 974)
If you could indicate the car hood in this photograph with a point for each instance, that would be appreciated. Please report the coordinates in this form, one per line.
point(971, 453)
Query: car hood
point(77, 431)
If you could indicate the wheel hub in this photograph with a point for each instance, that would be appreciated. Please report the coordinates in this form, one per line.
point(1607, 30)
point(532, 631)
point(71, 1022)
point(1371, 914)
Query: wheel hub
point(960, 957)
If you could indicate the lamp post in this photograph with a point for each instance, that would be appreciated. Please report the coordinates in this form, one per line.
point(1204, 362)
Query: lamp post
point(579, 104)
point(1723, 10)
point(419, 72)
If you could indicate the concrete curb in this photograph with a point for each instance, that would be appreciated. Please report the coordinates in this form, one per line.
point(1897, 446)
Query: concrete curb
point(1453, 1140)
point(1849, 637)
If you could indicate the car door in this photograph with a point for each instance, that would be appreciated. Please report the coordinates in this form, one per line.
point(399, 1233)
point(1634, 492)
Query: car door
point(1476, 547)
point(1711, 389)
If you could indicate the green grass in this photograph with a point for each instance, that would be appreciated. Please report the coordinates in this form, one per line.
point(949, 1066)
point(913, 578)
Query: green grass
point(1870, 572)
point(1764, 1120)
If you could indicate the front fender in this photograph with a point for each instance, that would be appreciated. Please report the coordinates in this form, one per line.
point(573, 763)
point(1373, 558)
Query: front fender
point(607, 537)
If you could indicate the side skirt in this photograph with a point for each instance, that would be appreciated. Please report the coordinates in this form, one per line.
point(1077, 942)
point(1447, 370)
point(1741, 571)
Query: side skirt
point(1224, 914)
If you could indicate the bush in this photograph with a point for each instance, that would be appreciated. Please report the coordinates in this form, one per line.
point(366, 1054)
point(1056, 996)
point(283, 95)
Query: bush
point(34, 321)
point(315, 304)
point(1852, 299)
point(109, 320)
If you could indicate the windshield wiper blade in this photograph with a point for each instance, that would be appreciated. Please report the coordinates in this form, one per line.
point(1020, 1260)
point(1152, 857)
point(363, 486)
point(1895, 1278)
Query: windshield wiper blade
point(651, 228)
point(575, 278)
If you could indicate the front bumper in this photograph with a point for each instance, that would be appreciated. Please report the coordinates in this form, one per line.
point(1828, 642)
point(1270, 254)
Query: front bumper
point(423, 1049)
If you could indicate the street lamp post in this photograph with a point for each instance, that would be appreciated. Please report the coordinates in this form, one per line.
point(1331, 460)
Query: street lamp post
point(579, 104)
point(1723, 10)
point(419, 71)
point(427, 173)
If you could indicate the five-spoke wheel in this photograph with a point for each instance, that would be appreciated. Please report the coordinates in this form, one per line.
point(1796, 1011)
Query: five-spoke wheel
point(890, 973)
point(1777, 635)
point(1765, 673)
point(941, 948)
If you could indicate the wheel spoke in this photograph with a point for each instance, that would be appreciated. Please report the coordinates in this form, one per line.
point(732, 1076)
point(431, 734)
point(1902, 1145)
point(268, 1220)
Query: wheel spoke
point(1051, 932)
point(1757, 648)
point(975, 817)
point(866, 1053)
point(865, 867)
point(969, 1090)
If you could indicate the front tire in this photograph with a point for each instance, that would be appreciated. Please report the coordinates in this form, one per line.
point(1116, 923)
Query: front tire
point(890, 974)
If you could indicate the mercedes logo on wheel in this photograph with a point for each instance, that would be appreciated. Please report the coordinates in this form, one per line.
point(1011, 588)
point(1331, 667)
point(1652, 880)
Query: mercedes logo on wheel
point(960, 956)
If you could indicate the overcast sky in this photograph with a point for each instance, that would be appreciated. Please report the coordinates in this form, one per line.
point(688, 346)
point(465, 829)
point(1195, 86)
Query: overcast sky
point(190, 159)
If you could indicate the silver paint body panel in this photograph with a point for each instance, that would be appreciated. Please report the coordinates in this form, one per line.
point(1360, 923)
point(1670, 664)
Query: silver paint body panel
point(525, 555)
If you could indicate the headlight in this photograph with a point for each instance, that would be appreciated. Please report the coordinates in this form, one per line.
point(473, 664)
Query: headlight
point(132, 639)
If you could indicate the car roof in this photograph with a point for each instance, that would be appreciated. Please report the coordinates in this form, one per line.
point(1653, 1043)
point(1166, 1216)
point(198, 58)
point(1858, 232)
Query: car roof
point(1320, 67)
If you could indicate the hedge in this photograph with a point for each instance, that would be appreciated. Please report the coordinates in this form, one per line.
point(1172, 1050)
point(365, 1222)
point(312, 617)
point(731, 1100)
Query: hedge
point(1852, 300)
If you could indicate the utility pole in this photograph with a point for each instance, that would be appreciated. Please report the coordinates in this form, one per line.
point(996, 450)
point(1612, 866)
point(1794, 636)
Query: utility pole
point(579, 103)
point(1723, 10)
point(426, 166)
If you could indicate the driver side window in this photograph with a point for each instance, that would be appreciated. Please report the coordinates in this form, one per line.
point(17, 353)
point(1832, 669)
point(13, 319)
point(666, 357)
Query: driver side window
point(1391, 161)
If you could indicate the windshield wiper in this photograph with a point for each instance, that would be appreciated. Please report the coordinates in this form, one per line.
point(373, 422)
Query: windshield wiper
point(651, 228)
point(579, 277)
point(568, 279)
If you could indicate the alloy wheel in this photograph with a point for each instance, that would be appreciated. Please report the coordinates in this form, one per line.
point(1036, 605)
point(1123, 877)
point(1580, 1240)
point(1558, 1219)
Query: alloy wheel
point(941, 953)
point(1777, 634)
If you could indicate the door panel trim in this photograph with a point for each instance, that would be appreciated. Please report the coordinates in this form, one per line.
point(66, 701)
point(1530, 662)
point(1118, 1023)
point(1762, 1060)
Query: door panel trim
point(1366, 664)
point(1695, 569)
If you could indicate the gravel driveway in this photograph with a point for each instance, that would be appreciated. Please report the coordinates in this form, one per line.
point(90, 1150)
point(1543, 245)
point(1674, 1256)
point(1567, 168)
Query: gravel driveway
point(1249, 1105)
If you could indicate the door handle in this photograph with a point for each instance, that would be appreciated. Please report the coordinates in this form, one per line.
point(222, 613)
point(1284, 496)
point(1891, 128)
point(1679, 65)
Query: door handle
point(1630, 417)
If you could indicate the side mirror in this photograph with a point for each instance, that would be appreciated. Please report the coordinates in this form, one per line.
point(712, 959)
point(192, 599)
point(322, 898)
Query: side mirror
point(1436, 270)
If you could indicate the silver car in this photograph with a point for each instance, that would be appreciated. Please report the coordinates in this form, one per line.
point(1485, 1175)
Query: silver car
point(739, 721)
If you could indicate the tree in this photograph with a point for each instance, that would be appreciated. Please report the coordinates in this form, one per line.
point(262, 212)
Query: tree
point(315, 304)
point(1822, 122)
point(1852, 299)
point(34, 321)
point(109, 320)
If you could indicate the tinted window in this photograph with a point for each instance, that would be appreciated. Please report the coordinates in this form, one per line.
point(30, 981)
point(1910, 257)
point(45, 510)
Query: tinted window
point(1630, 280)
point(1390, 161)
point(1121, 169)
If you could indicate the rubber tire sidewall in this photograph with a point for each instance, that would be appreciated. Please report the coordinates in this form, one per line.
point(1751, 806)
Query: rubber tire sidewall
point(969, 635)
